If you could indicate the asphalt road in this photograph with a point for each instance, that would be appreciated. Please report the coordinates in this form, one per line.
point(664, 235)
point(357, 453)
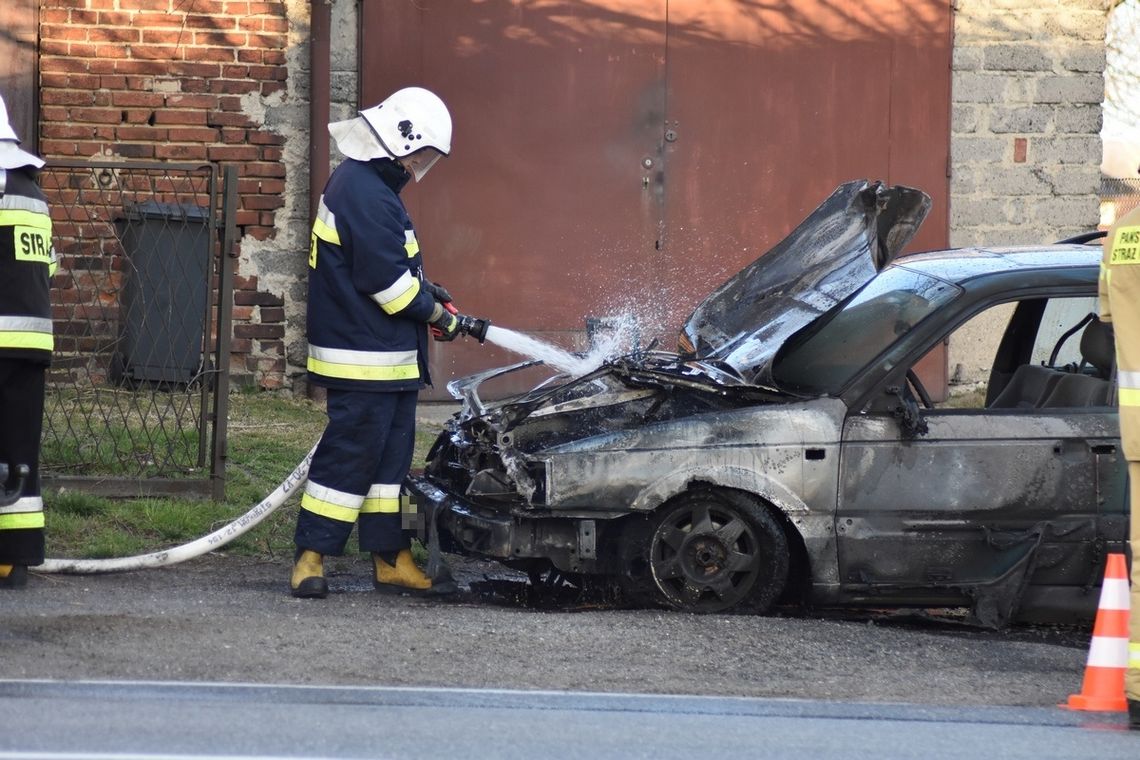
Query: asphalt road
point(164, 721)
point(234, 666)
point(229, 619)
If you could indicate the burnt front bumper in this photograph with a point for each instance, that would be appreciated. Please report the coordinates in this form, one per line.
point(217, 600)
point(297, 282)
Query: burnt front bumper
point(462, 527)
point(568, 542)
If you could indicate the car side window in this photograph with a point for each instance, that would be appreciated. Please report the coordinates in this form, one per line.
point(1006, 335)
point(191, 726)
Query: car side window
point(1041, 353)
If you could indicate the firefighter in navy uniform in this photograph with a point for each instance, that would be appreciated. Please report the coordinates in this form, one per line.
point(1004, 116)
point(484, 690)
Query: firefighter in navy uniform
point(1120, 305)
point(369, 313)
point(27, 261)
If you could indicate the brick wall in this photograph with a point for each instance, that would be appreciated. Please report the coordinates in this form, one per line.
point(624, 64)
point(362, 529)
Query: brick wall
point(1025, 133)
point(185, 81)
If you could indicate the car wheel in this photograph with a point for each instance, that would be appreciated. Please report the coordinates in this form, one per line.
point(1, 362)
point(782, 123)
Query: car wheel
point(717, 550)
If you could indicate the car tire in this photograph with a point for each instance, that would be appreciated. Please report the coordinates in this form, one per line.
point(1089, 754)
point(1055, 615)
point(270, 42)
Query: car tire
point(713, 550)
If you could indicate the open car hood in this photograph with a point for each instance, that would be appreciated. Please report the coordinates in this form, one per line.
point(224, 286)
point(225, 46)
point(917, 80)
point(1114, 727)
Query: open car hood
point(852, 235)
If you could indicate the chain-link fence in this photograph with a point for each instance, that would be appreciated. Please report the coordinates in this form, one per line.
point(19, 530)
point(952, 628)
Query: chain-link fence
point(1117, 198)
point(138, 371)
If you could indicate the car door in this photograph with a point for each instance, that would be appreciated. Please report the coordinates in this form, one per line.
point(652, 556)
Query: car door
point(985, 502)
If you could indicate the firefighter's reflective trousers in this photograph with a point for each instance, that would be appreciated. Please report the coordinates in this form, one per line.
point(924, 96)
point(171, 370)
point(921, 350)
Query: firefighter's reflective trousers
point(21, 421)
point(357, 471)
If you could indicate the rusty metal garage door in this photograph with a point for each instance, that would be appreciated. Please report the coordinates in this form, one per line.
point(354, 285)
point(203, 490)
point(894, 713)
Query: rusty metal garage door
point(637, 152)
point(19, 27)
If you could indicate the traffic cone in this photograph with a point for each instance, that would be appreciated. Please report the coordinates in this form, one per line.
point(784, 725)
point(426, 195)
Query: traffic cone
point(1103, 686)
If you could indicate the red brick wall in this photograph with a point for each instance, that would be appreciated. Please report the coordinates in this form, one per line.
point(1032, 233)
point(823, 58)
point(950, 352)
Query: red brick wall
point(164, 80)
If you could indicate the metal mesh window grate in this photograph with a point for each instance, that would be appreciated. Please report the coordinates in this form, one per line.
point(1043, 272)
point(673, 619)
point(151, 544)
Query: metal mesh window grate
point(1119, 195)
point(130, 390)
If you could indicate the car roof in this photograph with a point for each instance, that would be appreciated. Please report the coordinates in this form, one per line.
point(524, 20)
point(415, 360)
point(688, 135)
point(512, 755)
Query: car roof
point(961, 265)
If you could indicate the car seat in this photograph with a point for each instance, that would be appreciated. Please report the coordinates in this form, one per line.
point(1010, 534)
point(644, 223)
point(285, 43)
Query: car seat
point(1081, 389)
point(1029, 385)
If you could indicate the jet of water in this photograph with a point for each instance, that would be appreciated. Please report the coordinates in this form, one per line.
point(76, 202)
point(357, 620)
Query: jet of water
point(552, 355)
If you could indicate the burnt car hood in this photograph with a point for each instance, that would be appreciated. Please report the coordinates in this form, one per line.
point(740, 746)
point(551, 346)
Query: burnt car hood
point(836, 250)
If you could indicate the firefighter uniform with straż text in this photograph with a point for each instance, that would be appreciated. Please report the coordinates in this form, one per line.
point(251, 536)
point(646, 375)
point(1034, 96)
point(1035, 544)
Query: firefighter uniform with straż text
point(1120, 305)
point(368, 315)
point(27, 261)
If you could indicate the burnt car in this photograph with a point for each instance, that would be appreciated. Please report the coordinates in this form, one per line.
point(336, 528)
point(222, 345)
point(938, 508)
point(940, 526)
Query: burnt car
point(788, 451)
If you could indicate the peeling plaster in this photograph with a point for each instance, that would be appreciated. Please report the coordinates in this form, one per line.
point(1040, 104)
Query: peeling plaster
point(279, 262)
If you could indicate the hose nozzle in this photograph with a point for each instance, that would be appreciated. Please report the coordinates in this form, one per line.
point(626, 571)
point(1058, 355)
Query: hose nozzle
point(473, 326)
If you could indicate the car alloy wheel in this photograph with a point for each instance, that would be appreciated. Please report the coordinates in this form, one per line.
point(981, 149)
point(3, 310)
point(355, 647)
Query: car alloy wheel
point(718, 550)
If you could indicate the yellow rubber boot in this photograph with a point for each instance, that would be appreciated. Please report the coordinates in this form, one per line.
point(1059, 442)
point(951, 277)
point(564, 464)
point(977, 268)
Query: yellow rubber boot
point(308, 580)
point(13, 576)
point(405, 577)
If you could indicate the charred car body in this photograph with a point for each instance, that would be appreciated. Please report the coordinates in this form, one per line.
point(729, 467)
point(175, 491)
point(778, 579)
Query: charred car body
point(789, 451)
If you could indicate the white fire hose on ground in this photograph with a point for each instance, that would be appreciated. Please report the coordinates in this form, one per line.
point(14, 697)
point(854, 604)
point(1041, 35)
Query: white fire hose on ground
point(198, 547)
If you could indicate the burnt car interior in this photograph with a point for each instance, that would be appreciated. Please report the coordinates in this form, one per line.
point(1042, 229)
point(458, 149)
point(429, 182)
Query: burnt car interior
point(1087, 382)
point(1077, 371)
point(1053, 353)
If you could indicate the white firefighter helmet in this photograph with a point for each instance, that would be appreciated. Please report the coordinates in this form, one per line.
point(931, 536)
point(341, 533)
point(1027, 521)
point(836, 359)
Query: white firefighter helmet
point(11, 157)
point(412, 126)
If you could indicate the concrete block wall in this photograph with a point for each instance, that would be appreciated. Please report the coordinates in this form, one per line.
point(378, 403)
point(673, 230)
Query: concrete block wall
point(1026, 89)
point(1025, 151)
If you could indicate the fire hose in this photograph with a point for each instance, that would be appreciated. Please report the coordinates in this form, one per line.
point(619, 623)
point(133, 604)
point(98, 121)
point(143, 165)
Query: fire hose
point(198, 547)
point(472, 326)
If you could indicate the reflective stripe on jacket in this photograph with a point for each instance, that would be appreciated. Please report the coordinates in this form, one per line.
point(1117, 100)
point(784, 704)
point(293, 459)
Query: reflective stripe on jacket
point(1120, 305)
point(27, 261)
point(367, 313)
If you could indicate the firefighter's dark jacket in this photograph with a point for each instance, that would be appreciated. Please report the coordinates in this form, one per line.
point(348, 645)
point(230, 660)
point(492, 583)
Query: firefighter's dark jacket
point(367, 310)
point(27, 261)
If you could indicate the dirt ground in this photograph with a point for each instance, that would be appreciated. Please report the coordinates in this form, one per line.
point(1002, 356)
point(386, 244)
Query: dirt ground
point(231, 619)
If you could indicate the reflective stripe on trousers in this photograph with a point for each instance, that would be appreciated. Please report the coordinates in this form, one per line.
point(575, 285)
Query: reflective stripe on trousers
point(27, 512)
point(26, 332)
point(357, 471)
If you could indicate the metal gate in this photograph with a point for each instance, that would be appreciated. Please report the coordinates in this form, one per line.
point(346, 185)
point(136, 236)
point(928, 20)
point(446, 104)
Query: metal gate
point(142, 302)
point(631, 155)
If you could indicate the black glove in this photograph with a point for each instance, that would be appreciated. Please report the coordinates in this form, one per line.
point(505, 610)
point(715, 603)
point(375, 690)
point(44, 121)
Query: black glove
point(438, 292)
point(444, 324)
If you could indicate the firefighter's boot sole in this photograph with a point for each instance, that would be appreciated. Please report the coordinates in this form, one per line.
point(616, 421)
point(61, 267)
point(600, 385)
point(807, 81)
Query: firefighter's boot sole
point(442, 588)
point(13, 576)
point(311, 588)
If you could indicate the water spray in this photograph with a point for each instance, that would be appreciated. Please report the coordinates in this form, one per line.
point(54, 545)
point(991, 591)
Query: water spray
point(619, 332)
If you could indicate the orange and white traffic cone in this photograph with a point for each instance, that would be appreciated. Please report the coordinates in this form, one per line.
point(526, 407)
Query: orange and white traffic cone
point(1103, 686)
